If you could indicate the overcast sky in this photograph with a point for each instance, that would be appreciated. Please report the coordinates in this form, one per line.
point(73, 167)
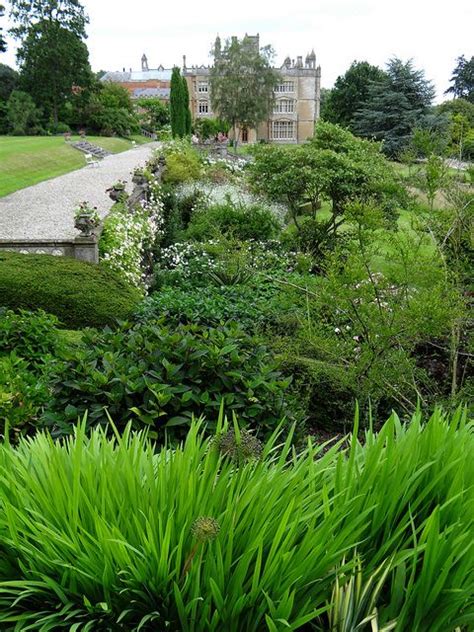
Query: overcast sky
point(432, 32)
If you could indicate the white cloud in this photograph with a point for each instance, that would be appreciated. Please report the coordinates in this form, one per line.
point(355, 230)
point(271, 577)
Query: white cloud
point(432, 33)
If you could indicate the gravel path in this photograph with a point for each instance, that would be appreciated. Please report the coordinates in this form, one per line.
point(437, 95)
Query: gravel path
point(46, 210)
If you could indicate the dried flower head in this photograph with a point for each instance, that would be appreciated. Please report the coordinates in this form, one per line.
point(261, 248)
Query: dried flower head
point(246, 448)
point(205, 528)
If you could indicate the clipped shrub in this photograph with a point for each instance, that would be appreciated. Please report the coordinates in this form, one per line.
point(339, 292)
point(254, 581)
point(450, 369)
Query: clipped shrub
point(158, 376)
point(106, 534)
point(234, 219)
point(79, 294)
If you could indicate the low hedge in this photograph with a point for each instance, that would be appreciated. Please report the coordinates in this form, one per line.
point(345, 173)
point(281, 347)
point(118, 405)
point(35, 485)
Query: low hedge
point(80, 294)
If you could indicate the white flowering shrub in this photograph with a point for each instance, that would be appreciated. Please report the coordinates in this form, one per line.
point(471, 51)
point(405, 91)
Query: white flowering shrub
point(192, 261)
point(236, 192)
point(129, 236)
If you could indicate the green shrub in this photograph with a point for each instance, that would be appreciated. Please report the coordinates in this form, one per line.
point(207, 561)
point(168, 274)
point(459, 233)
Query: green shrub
point(182, 164)
point(247, 305)
point(31, 335)
point(233, 219)
point(100, 534)
point(79, 294)
point(158, 376)
point(24, 393)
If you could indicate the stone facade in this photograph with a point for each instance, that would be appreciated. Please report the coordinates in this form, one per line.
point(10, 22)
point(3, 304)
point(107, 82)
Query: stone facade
point(297, 100)
point(297, 97)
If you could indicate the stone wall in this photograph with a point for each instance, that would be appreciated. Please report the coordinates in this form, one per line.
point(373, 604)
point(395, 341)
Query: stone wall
point(81, 248)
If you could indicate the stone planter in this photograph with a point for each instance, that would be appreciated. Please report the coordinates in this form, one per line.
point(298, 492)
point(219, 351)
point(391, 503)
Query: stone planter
point(85, 224)
point(115, 193)
point(139, 179)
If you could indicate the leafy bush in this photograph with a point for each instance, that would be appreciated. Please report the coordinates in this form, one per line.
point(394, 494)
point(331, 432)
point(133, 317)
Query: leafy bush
point(247, 305)
point(158, 376)
point(103, 534)
point(24, 394)
point(79, 294)
point(233, 219)
point(31, 335)
point(182, 163)
point(190, 263)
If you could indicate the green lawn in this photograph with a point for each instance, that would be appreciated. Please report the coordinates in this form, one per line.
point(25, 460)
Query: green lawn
point(27, 160)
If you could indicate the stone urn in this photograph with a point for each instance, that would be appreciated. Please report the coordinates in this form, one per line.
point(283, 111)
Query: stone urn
point(86, 224)
point(117, 191)
point(139, 178)
point(86, 219)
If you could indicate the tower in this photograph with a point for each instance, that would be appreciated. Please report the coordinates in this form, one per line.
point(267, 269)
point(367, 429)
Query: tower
point(144, 63)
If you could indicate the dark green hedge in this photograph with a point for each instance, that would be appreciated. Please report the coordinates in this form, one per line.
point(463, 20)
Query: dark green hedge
point(79, 294)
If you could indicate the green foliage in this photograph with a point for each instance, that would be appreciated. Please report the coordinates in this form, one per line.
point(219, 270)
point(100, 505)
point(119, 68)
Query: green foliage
point(79, 294)
point(350, 93)
point(335, 166)
point(158, 376)
point(191, 539)
point(31, 335)
point(394, 106)
point(242, 81)
point(233, 220)
point(248, 304)
point(462, 79)
point(53, 60)
point(3, 43)
point(111, 111)
point(177, 109)
point(182, 164)
point(187, 112)
point(8, 81)
point(210, 127)
point(24, 393)
point(154, 114)
point(69, 14)
point(22, 114)
point(359, 333)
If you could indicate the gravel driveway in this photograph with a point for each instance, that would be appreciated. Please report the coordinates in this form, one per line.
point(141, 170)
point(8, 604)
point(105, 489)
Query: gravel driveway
point(46, 210)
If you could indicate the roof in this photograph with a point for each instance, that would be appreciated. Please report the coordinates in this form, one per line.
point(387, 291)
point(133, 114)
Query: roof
point(138, 75)
point(160, 93)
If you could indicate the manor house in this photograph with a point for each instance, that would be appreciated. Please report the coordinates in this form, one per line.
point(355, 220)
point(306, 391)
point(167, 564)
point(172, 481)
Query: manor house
point(297, 96)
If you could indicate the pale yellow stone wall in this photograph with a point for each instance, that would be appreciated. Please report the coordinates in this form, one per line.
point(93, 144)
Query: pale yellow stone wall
point(306, 97)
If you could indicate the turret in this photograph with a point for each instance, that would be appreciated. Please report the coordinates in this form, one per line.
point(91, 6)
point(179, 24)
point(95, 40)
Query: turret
point(144, 63)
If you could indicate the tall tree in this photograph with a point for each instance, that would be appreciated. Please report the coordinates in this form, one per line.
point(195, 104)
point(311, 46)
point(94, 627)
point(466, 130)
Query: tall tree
point(242, 83)
point(8, 81)
point(350, 93)
point(187, 111)
point(395, 106)
point(22, 112)
point(53, 62)
point(462, 79)
point(177, 112)
point(3, 44)
point(69, 14)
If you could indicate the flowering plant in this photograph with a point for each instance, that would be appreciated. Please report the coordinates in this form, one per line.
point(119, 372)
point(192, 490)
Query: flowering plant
point(86, 218)
point(128, 236)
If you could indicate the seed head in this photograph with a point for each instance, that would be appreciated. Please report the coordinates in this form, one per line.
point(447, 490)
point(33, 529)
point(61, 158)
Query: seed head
point(205, 528)
point(246, 448)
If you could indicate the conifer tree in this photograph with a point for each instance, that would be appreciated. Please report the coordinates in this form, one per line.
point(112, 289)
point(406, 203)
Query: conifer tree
point(177, 113)
point(187, 111)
